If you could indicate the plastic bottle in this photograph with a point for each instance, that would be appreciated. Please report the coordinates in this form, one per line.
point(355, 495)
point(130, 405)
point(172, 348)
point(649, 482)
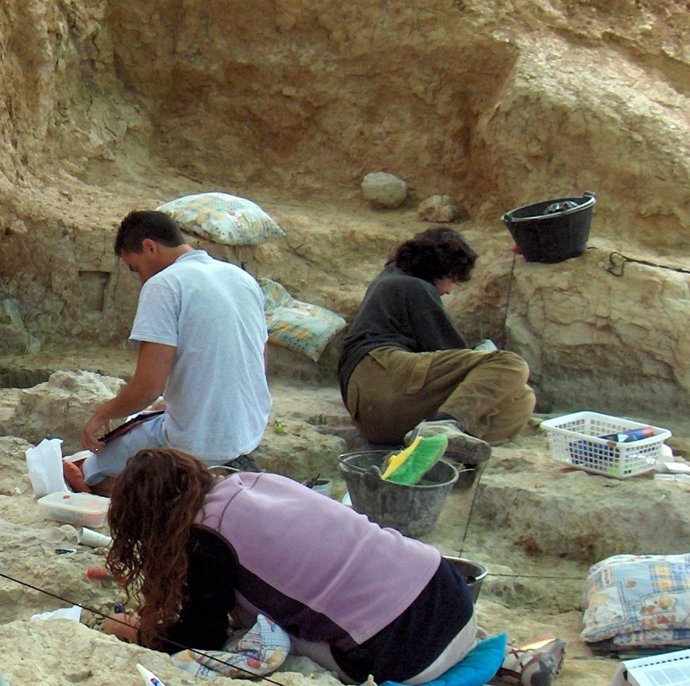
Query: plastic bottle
point(631, 435)
point(149, 677)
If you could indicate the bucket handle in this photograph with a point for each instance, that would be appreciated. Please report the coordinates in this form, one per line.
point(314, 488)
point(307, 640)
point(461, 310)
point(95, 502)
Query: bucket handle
point(371, 470)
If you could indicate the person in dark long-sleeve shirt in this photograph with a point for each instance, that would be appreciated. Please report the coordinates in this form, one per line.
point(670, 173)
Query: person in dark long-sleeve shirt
point(404, 364)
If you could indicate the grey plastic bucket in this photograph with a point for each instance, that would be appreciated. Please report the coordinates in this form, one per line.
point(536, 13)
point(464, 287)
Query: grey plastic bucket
point(412, 510)
point(552, 230)
point(473, 572)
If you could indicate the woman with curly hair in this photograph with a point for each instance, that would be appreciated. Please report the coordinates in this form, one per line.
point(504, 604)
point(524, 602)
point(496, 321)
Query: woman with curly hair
point(191, 548)
point(404, 365)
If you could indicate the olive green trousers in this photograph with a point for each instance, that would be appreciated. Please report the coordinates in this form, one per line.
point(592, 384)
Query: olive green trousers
point(392, 390)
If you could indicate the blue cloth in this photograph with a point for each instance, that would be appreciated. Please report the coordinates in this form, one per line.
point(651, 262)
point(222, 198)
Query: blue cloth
point(476, 668)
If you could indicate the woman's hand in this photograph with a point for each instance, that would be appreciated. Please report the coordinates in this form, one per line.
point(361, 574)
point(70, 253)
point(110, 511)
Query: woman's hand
point(122, 625)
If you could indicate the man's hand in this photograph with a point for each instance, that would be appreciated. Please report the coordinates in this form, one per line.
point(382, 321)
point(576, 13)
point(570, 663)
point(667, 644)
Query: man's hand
point(153, 368)
point(156, 405)
point(93, 430)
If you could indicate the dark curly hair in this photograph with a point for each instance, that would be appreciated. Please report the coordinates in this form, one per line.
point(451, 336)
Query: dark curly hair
point(437, 253)
point(152, 507)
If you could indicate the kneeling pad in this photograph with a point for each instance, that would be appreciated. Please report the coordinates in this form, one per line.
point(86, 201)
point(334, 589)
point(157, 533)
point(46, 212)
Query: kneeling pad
point(476, 668)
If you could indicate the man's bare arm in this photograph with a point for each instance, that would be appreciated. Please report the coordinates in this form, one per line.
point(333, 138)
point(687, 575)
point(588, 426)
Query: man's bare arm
point(153, 368)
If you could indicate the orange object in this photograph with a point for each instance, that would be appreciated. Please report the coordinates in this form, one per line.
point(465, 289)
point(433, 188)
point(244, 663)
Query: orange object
point(98, 574)
point(72, 471)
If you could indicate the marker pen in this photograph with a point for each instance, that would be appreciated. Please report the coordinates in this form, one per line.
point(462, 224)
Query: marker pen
point(149, 677)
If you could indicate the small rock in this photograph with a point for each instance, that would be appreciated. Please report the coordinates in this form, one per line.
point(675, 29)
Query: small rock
point(437, 208)
point(384, 190)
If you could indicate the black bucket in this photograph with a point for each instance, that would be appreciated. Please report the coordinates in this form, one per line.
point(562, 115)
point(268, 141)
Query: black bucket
point(473, 572)
point(412, 510)
point(553, 230)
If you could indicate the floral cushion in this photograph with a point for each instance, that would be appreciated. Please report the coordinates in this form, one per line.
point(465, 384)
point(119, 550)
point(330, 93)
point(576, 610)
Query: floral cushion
point(258, 652)
point(222, 218)
point(297, 325)
point(638, 601)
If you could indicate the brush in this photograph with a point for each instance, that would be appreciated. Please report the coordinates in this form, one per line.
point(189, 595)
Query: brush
point(410, 465)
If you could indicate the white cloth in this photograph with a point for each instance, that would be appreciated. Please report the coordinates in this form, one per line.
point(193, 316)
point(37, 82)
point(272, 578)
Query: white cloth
point(217, 397)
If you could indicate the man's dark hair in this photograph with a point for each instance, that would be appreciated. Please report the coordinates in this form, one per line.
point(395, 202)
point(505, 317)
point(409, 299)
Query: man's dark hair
point(142, 224)
point(436, 253)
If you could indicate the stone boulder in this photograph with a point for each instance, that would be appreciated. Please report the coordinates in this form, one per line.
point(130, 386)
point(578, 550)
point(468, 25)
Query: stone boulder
point(59, 408)
point(437, 208)
point(383, 190)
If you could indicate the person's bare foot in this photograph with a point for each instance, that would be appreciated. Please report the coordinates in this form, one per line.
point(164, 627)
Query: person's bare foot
point(75, 477)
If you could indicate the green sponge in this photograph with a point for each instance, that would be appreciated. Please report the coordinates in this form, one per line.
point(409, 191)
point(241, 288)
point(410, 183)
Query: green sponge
point(409, 466)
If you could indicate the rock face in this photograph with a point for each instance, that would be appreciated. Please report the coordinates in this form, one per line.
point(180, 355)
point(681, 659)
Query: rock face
point(13, 333)
point(114, 105)
point(59, 407)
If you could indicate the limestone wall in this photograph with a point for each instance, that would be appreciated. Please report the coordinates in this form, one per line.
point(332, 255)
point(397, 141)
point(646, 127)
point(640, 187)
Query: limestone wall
point(107, 106)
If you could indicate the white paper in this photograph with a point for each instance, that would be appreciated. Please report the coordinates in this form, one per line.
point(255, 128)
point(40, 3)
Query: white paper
point(672, 669)
point(73, 613)
point(44, 462)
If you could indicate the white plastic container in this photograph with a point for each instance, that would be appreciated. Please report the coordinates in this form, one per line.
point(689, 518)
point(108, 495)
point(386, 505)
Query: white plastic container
point(323, 486)
point(80, 509)
point(576, 440)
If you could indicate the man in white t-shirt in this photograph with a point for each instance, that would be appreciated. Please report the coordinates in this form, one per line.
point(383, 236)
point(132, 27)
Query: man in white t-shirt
point(201, 332)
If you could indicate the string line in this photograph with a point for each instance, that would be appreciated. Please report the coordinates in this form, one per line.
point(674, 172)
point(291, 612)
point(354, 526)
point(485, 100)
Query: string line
point(150, 634)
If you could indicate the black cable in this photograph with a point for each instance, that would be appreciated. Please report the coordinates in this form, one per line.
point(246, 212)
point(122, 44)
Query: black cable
point(618, 260)
point(180, 646)
point(479, 471)
point(510, 289)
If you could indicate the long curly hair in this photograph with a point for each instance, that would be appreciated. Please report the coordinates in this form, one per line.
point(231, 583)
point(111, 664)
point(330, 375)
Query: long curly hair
point(436, 253)
point(152, 507)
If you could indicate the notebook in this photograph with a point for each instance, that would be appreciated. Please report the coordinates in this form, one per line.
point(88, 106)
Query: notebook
point(669, 669)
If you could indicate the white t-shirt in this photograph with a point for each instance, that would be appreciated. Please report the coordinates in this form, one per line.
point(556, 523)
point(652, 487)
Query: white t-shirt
point(217, 397)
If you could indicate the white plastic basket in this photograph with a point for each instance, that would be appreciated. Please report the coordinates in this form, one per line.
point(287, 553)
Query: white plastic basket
point(576, 439)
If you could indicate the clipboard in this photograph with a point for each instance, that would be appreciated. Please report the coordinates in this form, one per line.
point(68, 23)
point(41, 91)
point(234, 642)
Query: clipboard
point(127, 426)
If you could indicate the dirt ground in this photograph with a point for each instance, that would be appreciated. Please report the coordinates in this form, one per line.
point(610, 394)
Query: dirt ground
point(535, 525)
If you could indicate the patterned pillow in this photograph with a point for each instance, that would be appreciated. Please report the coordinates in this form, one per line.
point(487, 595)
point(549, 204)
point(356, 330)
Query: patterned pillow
point(638, 601)
point(222, 218)
point(258, 652)
point(297, 325)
